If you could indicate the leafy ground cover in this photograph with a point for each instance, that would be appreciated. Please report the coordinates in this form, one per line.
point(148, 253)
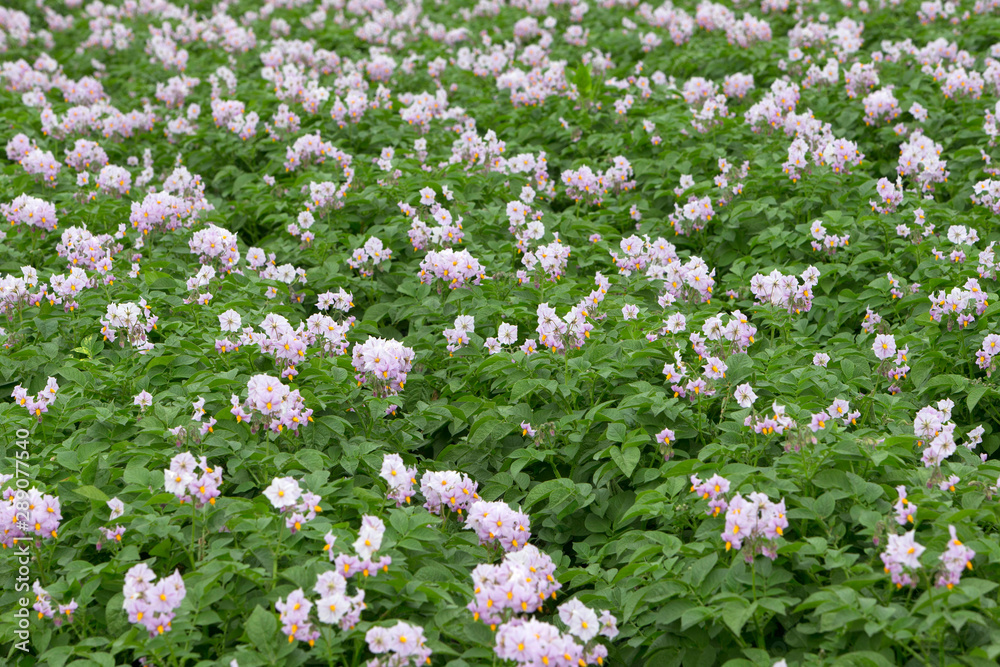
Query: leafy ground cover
point(528, 332)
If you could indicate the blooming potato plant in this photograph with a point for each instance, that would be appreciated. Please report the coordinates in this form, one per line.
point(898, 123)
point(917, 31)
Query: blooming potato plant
point(481, 333)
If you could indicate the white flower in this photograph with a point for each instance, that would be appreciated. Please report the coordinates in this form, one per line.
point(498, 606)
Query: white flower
point(507, 334)
point(230, 320)
point(117, 508)
point(330, 583)
point(581, 619)
point(745, 395)
point(283, 492)
point(394, 471)
point(176, 481)
point(676, 323)
point(332, 608)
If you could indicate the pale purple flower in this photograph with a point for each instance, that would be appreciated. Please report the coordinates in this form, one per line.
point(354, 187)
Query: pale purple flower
point(884, 346)
point(745, 395)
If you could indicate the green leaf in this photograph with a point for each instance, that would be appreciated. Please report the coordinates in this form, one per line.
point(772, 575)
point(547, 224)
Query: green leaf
point(583, 80)
point(91, 492)
point(740, 367)
point(563, 487)
point(262, 629)
point(865, 659)
point(616, 432)
point(695, 616)
point(700, 569)
point(976, 393)
point(736, 613)
point(626, 460)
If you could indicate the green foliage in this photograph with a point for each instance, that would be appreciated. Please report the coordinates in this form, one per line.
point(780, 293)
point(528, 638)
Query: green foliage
point(616, 515)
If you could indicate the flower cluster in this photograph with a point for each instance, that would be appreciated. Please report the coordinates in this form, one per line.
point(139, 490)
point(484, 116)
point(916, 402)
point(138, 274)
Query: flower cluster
point(39, 404)
point(689, 282)
point(447, 229)
point(881, 106)
point(132, 323)
point(340, 300)
point(496, 523)
point(839, 409)
point(399, 479)
point(891, 194)
point(590, 186)
point(558, 333)
point(383, 364)
point(293, 613)
point(584, 623)
point(641, 254)
point(901, 558)
point(936, 433)
point(986, 355)
point(506, 337)
point(955, 559)
point(43, 605)
point(279, 407)
point(67, 287)
point(334, 606)
point(777, 422)
point(311, 149)
point(14, 292)
point(730, 337)
point(919, 157)
point(458, 336)
point(368, 257)
point(28, 513)
point(905, 509)
point(288, 345)
point(286, 496)
point(533, 642)
point(952, 306)
point(785, 292)
point(402, 645)
point(753, 524)
point(841, 155)
point(448, 490)
point(31, 211)
point(149, 602)
point(550, 259)
point(114, 180)
point(456, 269)
point(83, 249)
point(362, 562)
point(191, 479)
point(39, 163)
point(115, 533)
point(323, 196)
point(524, 223)
point(215, 247)
point(692, 216)
point(987, 193)
point(713, 489)
point(520, 584)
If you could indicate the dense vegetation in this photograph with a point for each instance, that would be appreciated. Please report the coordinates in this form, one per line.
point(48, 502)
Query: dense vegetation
point(527, 332)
